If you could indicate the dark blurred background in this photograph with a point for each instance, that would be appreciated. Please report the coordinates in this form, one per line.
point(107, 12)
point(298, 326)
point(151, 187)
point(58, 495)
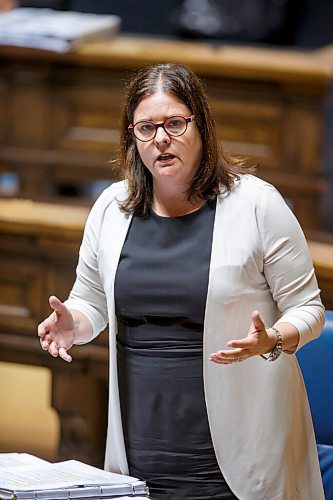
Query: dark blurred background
point(306, 23)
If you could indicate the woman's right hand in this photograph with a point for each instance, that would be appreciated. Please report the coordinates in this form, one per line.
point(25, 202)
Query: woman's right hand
point(57, 332)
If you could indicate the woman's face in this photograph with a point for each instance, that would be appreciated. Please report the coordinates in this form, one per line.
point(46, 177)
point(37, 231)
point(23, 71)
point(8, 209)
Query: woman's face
point(171, 160)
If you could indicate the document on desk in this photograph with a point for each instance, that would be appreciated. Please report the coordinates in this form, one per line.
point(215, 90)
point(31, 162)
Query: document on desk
point(68, 479)
point(17, 459)
point(54, 30)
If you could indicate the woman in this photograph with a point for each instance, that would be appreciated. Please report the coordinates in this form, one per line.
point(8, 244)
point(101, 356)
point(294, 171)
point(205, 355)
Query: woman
point(188, 260)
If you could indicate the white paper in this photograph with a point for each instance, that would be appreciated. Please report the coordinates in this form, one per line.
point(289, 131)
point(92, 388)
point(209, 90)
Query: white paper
point(54, 30)
point(58, 475)
point(19, 459)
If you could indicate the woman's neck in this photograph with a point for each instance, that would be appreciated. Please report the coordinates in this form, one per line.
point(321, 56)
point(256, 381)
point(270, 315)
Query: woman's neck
point(174, 204)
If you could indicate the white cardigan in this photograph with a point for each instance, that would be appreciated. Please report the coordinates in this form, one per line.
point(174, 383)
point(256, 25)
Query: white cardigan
point(258, 411)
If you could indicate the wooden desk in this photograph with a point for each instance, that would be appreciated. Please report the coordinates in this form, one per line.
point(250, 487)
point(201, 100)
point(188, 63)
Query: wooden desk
point(59, 113)
point(38, 253)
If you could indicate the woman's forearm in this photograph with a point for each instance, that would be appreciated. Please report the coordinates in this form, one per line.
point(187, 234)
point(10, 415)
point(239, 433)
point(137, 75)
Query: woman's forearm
point(82, 327)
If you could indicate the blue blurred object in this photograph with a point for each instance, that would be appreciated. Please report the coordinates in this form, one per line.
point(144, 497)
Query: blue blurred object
point(316, 362)
point(9, 184)
point(325, 453)
point(96, 188)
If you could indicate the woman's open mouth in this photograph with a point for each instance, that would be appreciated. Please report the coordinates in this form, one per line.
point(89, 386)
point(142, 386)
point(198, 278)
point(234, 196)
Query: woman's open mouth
point(165, 158)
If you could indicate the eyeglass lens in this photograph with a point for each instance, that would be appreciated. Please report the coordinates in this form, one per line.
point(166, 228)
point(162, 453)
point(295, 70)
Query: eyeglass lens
point(145, 130)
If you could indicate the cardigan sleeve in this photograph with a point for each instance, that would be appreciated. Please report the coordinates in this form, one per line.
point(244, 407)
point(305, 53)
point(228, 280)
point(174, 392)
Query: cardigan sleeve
point(288, 267)
point(87, 294)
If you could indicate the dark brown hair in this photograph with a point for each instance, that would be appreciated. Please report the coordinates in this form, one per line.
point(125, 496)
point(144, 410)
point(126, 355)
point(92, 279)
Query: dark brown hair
point(217, 170)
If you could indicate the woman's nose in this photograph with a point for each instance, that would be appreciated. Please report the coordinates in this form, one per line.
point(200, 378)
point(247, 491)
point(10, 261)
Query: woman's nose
point(161, 136)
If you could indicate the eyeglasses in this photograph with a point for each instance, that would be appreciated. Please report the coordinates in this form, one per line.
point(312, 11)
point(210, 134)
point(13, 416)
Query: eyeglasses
point(174, 125)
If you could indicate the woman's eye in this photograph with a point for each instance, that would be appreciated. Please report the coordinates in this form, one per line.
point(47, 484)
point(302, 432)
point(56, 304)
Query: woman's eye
point(175, 123)
point(145, 128)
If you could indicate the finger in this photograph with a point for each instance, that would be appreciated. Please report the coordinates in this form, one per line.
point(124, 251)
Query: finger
point(43, 328)
point(229, 353)
point(240, 343)
point(64, 355)
point(223, 361)
point(44, 344)
point(257, 321)
point(53, 349)
point(226, 357)
point(57, 305)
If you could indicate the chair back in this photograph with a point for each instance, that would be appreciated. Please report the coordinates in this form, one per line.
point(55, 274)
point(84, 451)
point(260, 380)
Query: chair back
point(316, 362)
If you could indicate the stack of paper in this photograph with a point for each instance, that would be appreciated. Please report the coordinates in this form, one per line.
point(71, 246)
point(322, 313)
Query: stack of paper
point(25, 477)
point(54, 30)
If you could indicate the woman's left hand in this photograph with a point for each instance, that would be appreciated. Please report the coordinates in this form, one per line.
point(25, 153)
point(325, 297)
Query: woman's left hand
point(258, 341)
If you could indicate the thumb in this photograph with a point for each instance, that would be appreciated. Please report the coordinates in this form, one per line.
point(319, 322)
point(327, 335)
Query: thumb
point(57, 305)
point(257, 322)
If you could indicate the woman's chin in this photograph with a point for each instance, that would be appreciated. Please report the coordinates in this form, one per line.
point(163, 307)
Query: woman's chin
point(168, 170)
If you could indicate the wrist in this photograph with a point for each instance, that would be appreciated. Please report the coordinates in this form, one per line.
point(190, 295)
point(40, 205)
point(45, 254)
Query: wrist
point(82, 328)
point(272, 340)
point(276, 341)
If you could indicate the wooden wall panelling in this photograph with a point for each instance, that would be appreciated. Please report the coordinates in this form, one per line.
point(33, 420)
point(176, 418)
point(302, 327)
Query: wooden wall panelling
point(86, 111)
point(21, 288)
point(322, 254)
point(304, 150)
point(279, 132)
point(249, 124)
point(29, 109)
point(326, 202)
point(3, 98)
point(86, 114)
point(81, 402)
point(272, 105)
point(25, 147)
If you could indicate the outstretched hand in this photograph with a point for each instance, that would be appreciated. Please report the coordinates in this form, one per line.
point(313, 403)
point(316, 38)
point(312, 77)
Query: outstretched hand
point(56, 332)
point(258, 341)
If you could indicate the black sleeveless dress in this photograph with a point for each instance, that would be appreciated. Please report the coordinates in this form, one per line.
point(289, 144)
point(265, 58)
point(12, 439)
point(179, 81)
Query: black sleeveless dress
point(160, 292)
